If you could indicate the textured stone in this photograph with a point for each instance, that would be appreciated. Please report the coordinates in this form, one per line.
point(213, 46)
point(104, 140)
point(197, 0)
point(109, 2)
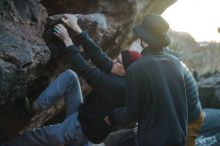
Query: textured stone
point(121, 16)
point(22, 53)
point(209, 90)
point(22, 48)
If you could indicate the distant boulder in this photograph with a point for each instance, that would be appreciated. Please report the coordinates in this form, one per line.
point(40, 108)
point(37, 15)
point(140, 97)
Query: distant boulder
point(202, 57)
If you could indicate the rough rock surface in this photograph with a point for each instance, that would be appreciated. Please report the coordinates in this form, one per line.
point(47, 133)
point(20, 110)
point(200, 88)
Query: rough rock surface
point(120, 16)
point(209, 90)
point(23, 54)
point(22, 48)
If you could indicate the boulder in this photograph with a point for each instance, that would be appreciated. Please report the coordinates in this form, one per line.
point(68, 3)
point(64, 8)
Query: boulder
point(23, 55)
point(209, 90)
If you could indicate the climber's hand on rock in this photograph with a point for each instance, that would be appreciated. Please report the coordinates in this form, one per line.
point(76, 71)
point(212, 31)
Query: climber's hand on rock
point(135, 130)
point(107, 121)
point(71, 21)
point(61, 32)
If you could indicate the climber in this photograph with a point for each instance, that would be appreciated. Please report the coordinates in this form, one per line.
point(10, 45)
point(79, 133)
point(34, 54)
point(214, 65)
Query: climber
point(156, 86)
point(75, 129)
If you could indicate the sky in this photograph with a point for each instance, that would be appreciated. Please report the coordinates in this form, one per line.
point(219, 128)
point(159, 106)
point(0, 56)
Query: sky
point(200, 18)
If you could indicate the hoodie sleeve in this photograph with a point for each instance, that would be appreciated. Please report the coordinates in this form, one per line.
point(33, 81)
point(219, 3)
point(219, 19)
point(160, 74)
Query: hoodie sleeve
point(94, 77)
point(98, 57)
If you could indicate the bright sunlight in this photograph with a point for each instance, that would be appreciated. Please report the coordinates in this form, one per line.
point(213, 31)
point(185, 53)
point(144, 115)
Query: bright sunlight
point(200, 18)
